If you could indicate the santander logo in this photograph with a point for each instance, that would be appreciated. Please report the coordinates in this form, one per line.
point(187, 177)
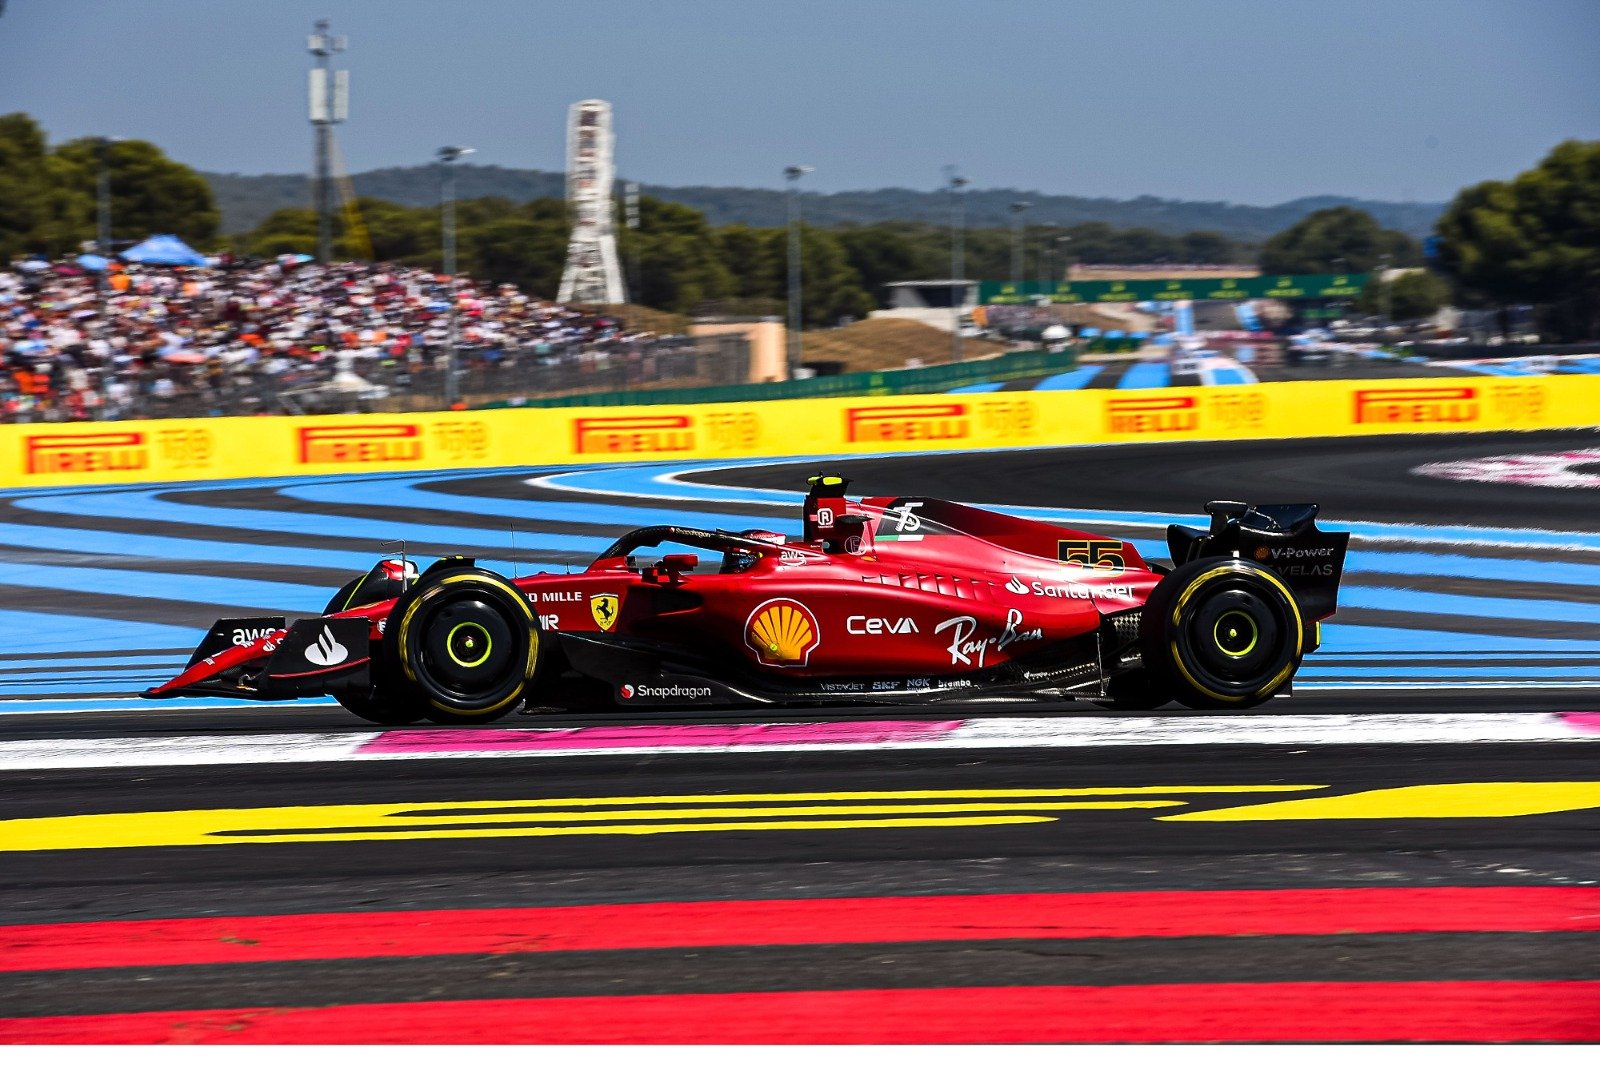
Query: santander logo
point(327, 651)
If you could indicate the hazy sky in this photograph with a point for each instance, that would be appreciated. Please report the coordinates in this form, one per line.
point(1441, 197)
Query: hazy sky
point(1251, 101)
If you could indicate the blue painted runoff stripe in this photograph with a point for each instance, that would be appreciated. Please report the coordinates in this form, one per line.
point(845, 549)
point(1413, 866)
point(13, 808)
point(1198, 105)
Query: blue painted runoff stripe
point(1150, 375)
point(145, 505)
point(1311, 671)
point(1072, 379)
point(12, 666)
point(1341, 638)
point(183, 588)
point(655, 480)
point(413, 493)
point(982, 386)
point(134, 703)
point(37, 633)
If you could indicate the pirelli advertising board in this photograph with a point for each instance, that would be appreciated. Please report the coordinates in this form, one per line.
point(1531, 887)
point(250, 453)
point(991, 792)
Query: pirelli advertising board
point(205, 449)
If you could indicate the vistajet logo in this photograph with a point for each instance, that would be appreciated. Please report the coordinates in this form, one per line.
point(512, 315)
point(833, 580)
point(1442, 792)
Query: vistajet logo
point(361, 443)
point(924, 421)
point(1163, 414)
point(1417, 405)
point(53, 453)
point(643, 433)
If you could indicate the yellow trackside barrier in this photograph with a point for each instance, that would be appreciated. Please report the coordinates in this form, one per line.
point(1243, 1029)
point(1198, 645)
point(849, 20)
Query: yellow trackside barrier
point(206, 449)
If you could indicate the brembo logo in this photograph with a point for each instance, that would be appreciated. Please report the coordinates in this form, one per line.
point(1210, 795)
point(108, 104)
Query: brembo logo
point(926, 421)
point(384, 443)
point(1458, 404)
point(644, 433)
point(1153, 415)
point(62, 454)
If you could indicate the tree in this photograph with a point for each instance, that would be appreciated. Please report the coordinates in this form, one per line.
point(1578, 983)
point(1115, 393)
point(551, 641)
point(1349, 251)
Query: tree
point(1337, 240)
point(149, 192)
point(1535, 239)
point(24, 185)
point(1412, 295)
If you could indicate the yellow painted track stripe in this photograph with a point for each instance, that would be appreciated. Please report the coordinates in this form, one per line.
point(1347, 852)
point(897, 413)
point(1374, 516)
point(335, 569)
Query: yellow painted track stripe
point(1489, 799)
point(372, 821)
point(489, 818)
point(908, 794)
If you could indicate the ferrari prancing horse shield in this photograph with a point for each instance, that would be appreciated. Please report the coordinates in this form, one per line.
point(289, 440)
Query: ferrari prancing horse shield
point(604, 609)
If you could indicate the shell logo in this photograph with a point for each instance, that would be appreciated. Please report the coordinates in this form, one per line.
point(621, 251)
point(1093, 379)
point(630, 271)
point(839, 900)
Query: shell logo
point(782, 633)
point(1263, 553)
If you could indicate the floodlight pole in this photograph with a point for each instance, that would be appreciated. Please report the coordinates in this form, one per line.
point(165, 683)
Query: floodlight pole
point(955, 183)
point(793, 174)
point(447, 203)
point(329, 104)
point(1017, 208)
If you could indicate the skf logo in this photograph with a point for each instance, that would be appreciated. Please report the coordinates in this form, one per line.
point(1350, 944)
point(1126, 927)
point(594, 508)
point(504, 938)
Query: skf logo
point(926, 421)
point(644, 433)
point(1458, 404)
point(62, 454)
point(604, 608)
point(388, 443)
point(782, 633)
point(1170, 414)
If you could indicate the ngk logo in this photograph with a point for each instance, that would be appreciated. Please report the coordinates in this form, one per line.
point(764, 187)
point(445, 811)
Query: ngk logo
point(1457, 404)
point(61, 454)
point(644, 433)
point(1154, 414)
point(363, 443)
point(924, 421)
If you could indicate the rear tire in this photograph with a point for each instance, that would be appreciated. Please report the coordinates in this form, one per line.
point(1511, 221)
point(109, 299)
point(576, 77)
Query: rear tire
point(463, 645)
point(1222, 634)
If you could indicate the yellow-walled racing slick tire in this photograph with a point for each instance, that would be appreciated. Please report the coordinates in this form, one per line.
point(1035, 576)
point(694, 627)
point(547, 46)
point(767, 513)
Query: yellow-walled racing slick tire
point(1222, 634)
point(464, 645)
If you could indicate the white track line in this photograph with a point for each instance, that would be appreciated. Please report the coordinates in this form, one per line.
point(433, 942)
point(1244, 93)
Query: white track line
point(1301, 730)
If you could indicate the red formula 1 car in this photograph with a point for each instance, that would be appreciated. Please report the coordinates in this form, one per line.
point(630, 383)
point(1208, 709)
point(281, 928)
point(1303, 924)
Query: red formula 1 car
point(885, 600)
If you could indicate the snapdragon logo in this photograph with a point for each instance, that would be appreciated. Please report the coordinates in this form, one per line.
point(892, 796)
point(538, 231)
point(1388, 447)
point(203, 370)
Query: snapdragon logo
point(665, 692)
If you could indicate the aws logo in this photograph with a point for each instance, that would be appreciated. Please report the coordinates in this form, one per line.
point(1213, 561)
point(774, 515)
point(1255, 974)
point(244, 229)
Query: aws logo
point(782, 633)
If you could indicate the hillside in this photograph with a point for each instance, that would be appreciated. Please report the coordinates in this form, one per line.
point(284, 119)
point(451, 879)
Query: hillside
point(245, 201)
point(886, 344)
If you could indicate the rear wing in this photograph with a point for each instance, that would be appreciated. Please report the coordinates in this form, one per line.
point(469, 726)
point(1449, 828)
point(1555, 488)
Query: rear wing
point(1283, 537)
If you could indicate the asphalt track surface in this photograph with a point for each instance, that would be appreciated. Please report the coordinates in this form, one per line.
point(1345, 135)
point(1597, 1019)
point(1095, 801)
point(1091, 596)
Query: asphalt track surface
point(1411, 858)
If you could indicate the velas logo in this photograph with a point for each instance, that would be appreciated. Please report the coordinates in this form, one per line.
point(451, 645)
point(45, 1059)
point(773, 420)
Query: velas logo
point(1417, 405)
point(59, 453)
point(1165, 414)
point(782, 632)
point(643, 433)
point(924, 421)
point(397, 442)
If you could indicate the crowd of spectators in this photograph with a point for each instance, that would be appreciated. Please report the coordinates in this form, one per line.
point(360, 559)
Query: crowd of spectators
point(78, 345)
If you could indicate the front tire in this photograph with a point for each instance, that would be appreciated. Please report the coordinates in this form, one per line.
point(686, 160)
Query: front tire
point(1222, 634)
point(464, 645)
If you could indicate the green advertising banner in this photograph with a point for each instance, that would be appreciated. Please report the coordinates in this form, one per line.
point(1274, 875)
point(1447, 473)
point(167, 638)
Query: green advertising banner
point(1267, 286)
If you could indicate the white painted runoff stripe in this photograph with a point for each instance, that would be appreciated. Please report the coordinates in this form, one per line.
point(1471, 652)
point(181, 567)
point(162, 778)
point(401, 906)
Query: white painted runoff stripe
point(1309, 730)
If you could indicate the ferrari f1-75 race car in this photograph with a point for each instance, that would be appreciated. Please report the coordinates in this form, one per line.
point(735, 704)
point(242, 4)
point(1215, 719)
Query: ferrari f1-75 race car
point(883, 600)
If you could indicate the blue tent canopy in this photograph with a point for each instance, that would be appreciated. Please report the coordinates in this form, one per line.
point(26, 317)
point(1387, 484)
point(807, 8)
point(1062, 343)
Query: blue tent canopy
point(163, 250)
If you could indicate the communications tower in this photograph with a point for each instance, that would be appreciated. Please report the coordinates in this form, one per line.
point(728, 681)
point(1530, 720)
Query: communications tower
point(593, 274)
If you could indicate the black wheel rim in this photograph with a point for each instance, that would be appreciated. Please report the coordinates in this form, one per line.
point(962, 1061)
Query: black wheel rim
point(468, 650)
point(1236, 637)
